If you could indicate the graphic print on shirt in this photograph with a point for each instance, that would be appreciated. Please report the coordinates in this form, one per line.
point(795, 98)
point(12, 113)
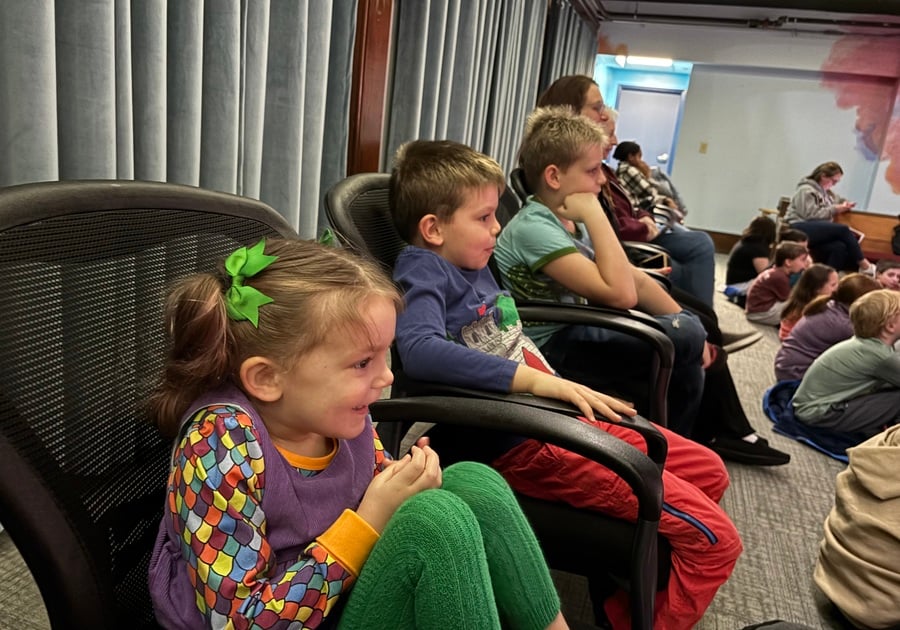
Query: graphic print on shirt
point(498, 331)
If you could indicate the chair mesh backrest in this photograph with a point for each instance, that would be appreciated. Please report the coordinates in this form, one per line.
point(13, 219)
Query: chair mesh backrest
point(358, 208)
point(81, 344)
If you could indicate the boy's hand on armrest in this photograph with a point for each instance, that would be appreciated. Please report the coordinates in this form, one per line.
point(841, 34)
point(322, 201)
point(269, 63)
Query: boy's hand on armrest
point(532, 381)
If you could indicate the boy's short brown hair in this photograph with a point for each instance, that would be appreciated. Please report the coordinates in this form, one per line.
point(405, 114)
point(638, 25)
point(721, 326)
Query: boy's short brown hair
point(433, 177)
point(555, 135)
point(884, 264)
point(788, 250)
point(871, 313)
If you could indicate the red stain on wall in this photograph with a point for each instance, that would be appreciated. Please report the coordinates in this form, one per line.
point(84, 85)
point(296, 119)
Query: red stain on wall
point(877, 104)
point(605, 47)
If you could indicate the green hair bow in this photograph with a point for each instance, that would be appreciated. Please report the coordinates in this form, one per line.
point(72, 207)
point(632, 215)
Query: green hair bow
point(243, 302)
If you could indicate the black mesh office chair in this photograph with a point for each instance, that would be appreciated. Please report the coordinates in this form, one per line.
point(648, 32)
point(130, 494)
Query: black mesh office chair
point(358, 209)
point(82, 474)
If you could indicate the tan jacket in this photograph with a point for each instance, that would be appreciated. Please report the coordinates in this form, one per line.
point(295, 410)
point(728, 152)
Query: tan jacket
point(859, 558)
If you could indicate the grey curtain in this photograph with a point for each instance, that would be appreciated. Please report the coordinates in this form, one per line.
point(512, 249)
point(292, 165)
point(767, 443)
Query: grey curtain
point(469, 70)
point(244, 96)
point(571, 44)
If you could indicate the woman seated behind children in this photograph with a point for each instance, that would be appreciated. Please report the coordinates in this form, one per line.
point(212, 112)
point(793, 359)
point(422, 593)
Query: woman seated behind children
point(825, 321)
point(771, 289)
point(852, 391)
point(813, 209)
point(817, 280)
point(281, 497)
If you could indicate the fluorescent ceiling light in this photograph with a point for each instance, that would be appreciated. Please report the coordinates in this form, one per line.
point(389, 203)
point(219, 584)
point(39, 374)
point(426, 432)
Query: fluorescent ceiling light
point(658, 62)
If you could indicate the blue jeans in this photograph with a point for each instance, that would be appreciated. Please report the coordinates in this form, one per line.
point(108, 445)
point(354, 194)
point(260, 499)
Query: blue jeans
point(617, 363)
point(832, 244)
point(693, 264)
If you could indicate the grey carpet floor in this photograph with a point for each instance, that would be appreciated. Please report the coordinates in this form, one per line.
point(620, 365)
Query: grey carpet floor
point(778, 511)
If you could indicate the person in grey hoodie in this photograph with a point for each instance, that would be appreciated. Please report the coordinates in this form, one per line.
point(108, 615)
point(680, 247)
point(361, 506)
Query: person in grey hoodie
point(859, 558)
point(812, 211)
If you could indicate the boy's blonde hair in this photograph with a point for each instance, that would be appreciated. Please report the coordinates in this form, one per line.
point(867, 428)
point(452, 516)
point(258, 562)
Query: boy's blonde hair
point(872, 312)
point(434, 177)
point(558, 136)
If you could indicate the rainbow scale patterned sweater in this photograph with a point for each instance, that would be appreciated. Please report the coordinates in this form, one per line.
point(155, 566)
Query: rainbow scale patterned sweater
point(248, 539)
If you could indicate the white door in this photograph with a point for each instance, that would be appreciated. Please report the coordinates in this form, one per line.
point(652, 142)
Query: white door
point(650, 118)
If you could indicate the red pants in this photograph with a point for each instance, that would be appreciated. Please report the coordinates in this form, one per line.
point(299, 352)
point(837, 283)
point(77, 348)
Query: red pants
point(705, 543)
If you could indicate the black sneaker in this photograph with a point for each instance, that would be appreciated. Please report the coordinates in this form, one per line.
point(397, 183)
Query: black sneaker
point(732, 342)
point(743, 452)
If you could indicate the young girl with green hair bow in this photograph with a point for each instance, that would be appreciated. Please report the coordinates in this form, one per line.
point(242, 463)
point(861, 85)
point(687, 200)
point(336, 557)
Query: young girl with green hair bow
point(282, 505)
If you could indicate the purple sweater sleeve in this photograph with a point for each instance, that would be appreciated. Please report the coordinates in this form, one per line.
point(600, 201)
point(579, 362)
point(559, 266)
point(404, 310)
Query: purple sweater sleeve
point(426, 348)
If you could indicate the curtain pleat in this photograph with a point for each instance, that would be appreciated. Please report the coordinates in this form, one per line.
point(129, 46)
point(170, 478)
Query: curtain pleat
point(185, 94)
point(150, 88)
point(220, 96)
point(571, 44)
point(255, 47)
point(124, 98)
point(234, 95)
point(470, 70)
point(85, 71)
point(28, 146)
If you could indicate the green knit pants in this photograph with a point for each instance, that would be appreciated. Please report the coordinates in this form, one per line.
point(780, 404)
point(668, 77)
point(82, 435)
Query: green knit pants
point(459, 557)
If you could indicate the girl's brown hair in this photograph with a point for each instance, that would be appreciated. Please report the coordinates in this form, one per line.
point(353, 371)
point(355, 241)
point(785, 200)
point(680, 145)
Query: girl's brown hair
point(807, 288)
point(760, 228)
point(850, 288)
point(316, 291)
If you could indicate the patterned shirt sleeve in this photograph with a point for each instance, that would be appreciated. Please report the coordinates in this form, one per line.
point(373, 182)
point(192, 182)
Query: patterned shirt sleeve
point(215, 496)
point(637, 185)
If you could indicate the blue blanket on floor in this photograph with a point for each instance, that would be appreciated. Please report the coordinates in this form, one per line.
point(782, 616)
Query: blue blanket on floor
point(778, 407)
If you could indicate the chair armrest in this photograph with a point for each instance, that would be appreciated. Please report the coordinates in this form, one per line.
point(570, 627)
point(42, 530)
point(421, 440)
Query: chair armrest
point(632, 323)
point(657, 446)
point(637, 470)
point(647, 249)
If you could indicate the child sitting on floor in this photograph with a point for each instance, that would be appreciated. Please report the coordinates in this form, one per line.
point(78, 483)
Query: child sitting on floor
point(459, 328)
point(815, 281)
point(887, 272)
point(853, 388)
point(825, 321)
point(771, 289)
